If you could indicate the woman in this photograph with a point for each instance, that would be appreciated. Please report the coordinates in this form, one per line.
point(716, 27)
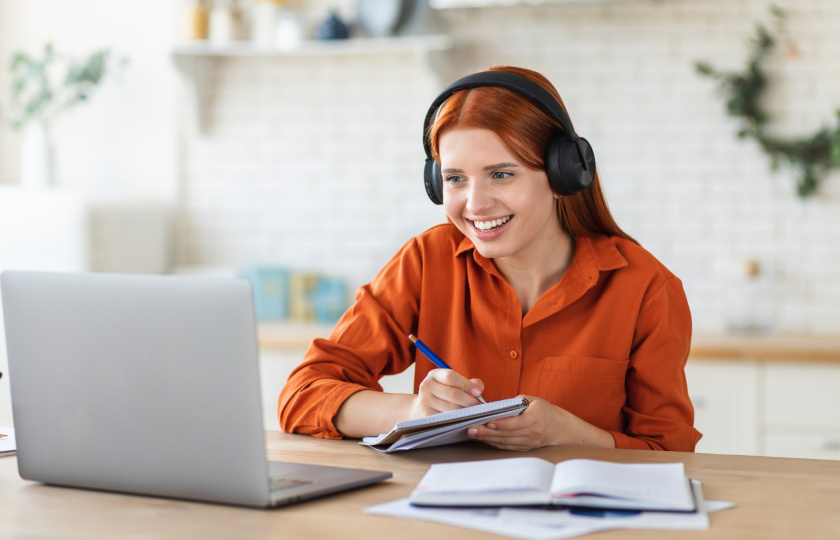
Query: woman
point(530, 289)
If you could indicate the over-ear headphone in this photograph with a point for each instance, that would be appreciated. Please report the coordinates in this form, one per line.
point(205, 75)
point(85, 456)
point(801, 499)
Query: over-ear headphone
point(569, 160)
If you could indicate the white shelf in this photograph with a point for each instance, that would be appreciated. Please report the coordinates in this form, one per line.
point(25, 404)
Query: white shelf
point(198, 60)
point(453, 4)
point(353, 46)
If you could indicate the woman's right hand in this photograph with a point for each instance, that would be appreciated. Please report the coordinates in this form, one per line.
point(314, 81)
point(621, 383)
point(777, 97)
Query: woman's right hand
point(445, 390)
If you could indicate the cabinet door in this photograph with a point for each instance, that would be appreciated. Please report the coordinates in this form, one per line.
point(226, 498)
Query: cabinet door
point(401, 383)
point(275, 367)
point(802, 410)
point(802, 395)
point(724, 394)
point(819, 444)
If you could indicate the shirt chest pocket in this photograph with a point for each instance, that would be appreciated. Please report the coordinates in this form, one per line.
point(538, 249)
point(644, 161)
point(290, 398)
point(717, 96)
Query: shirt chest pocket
point(588, 387)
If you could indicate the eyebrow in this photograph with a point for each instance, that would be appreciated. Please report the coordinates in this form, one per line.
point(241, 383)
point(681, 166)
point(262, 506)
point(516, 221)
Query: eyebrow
point(503, 165)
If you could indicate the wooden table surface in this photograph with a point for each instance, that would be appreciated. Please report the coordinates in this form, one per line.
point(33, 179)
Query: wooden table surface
point(775, 498)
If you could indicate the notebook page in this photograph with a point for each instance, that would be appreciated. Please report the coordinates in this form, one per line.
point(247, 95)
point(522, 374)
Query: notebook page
point(449, 434)
point(495, 475)
point(654, 482)
point(459, 414)
point(407, 427)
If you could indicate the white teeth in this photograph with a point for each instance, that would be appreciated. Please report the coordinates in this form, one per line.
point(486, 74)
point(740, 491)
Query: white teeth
point(492, 224)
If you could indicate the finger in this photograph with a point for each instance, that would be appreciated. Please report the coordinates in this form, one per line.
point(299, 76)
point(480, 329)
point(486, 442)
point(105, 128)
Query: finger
point(438, 405)
point(455, 387)
point(442, 397)
point(485, 432)
point(478, 384)
point(511, 423)
point(508, 442)
point(477, 390)
point(504, 440)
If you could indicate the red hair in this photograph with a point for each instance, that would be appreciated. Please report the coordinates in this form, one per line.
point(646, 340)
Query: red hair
point(525, 130)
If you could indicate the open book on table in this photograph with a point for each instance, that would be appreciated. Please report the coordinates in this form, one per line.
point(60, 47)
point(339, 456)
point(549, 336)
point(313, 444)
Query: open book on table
point(443, 428)
point(529, 481)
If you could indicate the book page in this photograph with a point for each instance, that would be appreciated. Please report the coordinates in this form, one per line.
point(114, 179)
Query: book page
point(651, 482)
point(495, 475)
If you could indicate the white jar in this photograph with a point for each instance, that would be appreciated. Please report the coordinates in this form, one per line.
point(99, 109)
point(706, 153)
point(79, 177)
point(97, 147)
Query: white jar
point(265, 15)
point(289, 31)
point(225, 22)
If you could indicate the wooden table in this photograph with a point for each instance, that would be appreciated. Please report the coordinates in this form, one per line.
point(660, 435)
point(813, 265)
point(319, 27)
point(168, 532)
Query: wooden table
point(775, 498)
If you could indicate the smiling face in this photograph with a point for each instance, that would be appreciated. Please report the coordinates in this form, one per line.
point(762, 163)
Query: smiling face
point(506, 209)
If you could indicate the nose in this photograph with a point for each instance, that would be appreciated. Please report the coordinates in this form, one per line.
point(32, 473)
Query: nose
point(479, 199)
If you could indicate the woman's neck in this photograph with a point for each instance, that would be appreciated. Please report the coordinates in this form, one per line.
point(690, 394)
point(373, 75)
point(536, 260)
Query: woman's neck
point(531, 276)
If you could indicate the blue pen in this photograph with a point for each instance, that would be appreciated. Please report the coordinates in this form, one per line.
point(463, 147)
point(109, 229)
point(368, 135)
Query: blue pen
point(436, 360)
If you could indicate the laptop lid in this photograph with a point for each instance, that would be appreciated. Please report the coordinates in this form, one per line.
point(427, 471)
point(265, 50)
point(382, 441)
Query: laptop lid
point(144, 384)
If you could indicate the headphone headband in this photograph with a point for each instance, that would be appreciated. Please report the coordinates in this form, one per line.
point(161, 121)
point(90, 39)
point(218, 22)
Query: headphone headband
point(501, 79)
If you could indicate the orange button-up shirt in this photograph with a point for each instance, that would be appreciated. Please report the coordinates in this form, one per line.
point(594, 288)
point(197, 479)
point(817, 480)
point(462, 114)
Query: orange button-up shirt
point(608, 343)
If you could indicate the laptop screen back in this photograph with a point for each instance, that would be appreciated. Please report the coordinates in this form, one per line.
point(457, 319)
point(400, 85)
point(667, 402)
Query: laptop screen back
point(136, 383)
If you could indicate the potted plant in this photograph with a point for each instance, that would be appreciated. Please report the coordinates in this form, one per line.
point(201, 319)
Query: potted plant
point(41, 88)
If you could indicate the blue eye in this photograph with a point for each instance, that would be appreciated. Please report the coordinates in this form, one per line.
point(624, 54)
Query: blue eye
point(499, 175)
point(454, 179)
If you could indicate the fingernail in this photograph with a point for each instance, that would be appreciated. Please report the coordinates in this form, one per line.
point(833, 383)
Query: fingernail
point(472, 432)
point(475, 392)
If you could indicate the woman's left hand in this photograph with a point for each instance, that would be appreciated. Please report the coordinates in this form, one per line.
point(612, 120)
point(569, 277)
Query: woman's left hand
point(542, 424)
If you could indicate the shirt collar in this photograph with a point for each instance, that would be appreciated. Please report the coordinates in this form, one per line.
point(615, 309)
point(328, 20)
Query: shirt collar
point(593, 254)
point(465, 245)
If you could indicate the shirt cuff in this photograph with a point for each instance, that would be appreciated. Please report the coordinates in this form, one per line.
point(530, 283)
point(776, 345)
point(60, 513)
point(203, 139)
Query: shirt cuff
point(333, 402)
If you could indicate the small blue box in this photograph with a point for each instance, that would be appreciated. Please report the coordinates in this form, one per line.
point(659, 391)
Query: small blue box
point(329, 300)
point(271, 291)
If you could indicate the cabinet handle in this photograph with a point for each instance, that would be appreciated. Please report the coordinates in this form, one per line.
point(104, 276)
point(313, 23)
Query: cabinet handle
point(824, 444)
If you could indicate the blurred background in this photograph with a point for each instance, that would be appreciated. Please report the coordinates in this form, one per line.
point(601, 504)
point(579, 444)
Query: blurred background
point(282, 141)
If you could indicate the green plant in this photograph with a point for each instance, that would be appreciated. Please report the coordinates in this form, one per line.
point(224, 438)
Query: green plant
point(813, 156)
point(43, 87)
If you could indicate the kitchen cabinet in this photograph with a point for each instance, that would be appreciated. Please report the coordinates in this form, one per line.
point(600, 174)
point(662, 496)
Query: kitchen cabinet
point(802, 410)
point(726, 405)
point(772, 395)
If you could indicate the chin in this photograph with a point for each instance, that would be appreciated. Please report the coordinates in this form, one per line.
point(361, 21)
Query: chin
point(488, 252)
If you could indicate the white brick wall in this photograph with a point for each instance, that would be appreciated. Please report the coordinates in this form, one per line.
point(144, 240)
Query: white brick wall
point(316, 162)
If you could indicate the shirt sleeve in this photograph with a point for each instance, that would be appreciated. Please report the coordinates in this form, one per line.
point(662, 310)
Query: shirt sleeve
point(658, 411)
point(368, 342)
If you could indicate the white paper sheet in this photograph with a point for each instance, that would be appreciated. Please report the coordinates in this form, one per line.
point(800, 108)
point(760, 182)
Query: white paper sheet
point(530, 524)
point(486, 520)
point(620, 520)
point(7, 443)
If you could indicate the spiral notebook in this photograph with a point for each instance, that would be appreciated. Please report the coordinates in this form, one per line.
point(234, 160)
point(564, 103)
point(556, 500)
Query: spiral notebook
point(443, 428)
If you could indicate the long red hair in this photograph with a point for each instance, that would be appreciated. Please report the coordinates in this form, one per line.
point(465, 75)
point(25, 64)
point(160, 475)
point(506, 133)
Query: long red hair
point(525, 129)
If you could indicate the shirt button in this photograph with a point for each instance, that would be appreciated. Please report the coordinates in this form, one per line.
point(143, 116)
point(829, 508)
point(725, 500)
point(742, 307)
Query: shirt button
point(514, 354)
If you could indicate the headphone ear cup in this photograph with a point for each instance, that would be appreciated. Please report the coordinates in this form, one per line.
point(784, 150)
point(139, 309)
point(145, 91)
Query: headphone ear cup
point(564, 164)
point(433, 181)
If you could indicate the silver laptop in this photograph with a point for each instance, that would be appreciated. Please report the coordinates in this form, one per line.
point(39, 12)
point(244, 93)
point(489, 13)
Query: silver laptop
point(148, 385)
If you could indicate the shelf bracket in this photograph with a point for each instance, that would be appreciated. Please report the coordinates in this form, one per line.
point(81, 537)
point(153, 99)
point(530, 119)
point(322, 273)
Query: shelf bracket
point(198, 74)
